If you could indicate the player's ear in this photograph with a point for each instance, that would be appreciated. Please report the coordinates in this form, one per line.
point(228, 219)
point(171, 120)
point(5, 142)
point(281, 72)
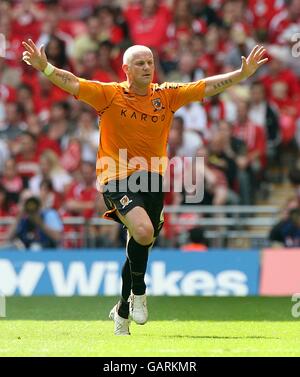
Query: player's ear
point(125, 68)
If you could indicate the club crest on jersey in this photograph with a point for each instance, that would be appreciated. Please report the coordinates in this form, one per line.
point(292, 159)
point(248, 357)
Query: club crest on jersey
point(156, 102)
point(125, 201)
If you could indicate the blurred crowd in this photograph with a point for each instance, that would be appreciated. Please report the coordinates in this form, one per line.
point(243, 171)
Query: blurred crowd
point(48, 139)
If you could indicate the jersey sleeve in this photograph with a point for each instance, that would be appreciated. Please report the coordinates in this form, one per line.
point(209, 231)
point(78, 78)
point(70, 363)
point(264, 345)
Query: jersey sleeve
point(96, 94)
point(182, 94)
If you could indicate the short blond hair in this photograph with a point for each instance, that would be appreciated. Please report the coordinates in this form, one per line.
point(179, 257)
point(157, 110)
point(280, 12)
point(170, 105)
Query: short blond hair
point(131, 51)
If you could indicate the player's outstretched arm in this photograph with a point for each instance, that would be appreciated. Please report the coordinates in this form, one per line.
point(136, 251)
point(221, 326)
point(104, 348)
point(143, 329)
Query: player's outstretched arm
point(216, 84)
point(38, 59)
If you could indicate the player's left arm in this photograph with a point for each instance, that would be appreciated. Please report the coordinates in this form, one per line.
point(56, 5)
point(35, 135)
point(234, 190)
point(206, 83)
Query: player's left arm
point(217, 84)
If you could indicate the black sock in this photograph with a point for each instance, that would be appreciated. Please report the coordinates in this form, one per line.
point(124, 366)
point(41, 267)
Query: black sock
point(138, 258)
point(123, 309)
point(126, 280)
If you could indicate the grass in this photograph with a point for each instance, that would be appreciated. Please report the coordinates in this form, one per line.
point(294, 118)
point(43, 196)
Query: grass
point(178, 326)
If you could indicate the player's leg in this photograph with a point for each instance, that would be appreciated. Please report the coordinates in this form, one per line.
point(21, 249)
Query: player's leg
point(141, 234)
point(140, 239)
point(129, 209)
point(126, 285)
point(120, 312)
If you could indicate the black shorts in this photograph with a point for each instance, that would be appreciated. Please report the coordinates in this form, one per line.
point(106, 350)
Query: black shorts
point(120, 195)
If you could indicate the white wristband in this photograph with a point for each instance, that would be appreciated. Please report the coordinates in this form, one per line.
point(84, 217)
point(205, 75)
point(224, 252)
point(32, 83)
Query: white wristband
point(49, 69)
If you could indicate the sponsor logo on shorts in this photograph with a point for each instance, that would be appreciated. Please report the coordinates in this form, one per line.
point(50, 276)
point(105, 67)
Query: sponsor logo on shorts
point(125, 201)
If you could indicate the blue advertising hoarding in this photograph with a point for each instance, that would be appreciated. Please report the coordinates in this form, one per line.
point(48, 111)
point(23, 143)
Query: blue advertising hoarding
point(91, 273)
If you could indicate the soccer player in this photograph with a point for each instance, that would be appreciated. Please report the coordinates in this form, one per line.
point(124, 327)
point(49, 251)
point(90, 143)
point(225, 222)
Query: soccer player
point(135, 117)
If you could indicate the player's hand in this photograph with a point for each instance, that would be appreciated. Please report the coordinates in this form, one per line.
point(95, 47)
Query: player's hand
point(34, 56)
point(253, 61)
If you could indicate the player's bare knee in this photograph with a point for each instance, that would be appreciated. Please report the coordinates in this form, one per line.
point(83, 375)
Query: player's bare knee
point(144, 233)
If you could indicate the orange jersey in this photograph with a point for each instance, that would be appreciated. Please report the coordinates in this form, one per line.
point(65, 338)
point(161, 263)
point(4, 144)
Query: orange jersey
point(134, 129)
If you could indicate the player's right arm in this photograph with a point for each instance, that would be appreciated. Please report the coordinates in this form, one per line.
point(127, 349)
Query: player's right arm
point(59, 77)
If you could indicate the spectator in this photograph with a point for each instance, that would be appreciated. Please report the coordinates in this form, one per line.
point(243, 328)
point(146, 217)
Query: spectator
point(206, 60)
point(25, 98)
point(202, 10)
point(34, 125)
point(196, 241)
point(219, 110)
point(27, 17)
point(262, 113)
point(222, 159)
point(294, 178)
point(250, 164)
point(183, 142)
point(76, 9)
point(45, 95)
point(88, 41)
point(184, 25)
point(234, 11)
point(216, 49)
point(186, 70)
point(50, 169)
point(88, 134)
point(27, 159)
point(148, 23)
point(282, 89)
point(36, 227)
point(81, 196)
point(215, 183)
point(281, 21)
point(253, 136)
point(56, 133)
point(12, 181)
point(280, 82)
point(195, 119)
point(57, 53)
point(235, 152)
point(53, 26)
point(242, 45)
point(291, 203)
point(286, 233)
point(262, 12)
point(109, 29)
point(7, 209)
point(71, 156)
point(14, 124)
point(81, 199)
point(49, 197)
point(87, 65)
point(105, 70)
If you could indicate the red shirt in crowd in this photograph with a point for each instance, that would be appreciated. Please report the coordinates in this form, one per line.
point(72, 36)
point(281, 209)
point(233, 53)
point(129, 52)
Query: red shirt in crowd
point(78, 191)
point(287, 78)
point(14, 185)
point(148, 31)
point(254, 137)
point(262, 11)
point(27, 167)
point(279, 23)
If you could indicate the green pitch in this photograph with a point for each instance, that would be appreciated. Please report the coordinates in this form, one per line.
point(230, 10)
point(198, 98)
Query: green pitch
point(178, 326)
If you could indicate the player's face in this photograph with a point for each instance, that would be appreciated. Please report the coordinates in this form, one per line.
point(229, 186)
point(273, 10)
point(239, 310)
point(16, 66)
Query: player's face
point(141, 68)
